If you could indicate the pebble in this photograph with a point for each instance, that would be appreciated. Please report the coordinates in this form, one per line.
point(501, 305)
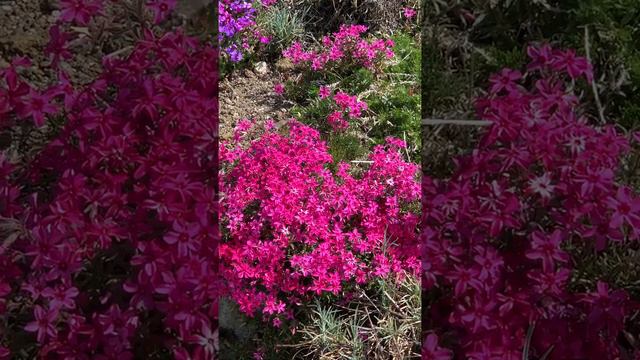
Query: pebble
point(261, 68)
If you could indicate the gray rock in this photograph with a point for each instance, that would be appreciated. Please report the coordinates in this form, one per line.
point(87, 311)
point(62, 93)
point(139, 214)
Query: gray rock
point(261, 68)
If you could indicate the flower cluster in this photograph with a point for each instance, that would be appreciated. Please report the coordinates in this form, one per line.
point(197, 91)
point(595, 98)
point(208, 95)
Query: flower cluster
point(294, 229)
point(345, 47)
point(236, 19)
point(115, 218)
point(347, 107)
point(80, 12)
point(409, 12)
point(496, 233)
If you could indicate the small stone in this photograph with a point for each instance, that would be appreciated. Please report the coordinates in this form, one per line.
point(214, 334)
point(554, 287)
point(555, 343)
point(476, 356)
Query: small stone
point(261, 68)
point(6, 8)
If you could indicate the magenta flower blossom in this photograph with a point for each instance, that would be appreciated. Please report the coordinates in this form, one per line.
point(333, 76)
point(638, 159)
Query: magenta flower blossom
point(134, 162)
point(278, 88)
point(5, 354)
point(207, 342)
point(37, 106)
point(505, 80)
point(626, 209)
point(547, 249)
point(540, 174)
point(607, 308)
point(182, 235)
point(575, 66)
point(299, 202)
point(431, 350)
point(542, 186)
point(57, 48)
point(324, 92)
point(344, 48)
point(79, 11)
point(60, 297)
point(161, 9)
point(44, 324)
point(541, 56)
point(409, 13)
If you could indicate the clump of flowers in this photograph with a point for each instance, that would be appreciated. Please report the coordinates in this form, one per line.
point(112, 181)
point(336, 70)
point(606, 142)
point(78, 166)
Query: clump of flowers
point(294, 229)
point(496, 233)
point(409, 12)
point(237, 30)
point(345, 107)
point(128, 179)
point(278, 88)
point(344, 48)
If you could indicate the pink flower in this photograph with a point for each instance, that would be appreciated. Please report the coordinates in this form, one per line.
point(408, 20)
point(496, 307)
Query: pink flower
point(277, 322)
point(505, 80)
point(607, 309)
point(409, 13)
point(431, 350)
point(207, 341)
point(486, 205)
point(161, 9)
point(541, 56)
point(44, 323)
point(79, 11)
point(38, 106)
point(278, 88)
point(337, 121)
point(5, 354)
point(184, 236)
point(547, 249)
point(61, 297)
point(575, 66)
point(541, 185)
point(57, 47)
point(324, 92)
point(626, 209)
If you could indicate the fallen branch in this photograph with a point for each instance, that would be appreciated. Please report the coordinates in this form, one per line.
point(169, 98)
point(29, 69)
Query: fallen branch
point(594, 85)
point(361, 162)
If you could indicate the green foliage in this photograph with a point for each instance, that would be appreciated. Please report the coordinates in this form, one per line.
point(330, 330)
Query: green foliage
point(283, 25)
point(357, 82)
point(346, 147)
point(393, 98)
point(408, 54)
point(396, 112)
point(467, 40)
point(242, 336)
point(382, 321)
point(478, 37)
point(617, 265)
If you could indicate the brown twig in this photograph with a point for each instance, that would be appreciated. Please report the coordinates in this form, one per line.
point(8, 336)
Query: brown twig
point(594, 85)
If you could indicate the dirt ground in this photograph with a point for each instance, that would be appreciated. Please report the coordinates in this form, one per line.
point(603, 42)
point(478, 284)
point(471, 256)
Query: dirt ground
point(249, 94)
point(23, 32)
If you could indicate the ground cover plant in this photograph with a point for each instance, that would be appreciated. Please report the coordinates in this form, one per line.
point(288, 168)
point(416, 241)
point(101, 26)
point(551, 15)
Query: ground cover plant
point(504, 229)
point(320, 200)
point(108, 222)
